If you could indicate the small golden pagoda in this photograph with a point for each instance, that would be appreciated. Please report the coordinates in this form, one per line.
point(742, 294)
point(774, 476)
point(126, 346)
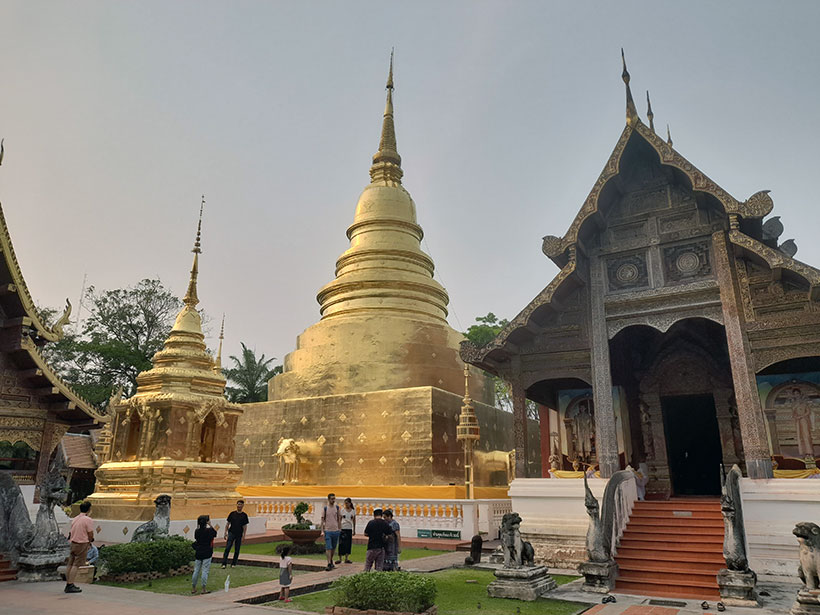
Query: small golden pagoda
point(176, 434)
point(372, 393)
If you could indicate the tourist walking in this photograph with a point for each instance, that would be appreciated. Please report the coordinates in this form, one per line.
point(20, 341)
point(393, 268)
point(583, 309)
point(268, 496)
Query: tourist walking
point(235, 532)
point(285, 573)
point(80, 536)
point(203, 552)
point(332, 527)
point(348, 530)
point(376, 530)
point(392, 546)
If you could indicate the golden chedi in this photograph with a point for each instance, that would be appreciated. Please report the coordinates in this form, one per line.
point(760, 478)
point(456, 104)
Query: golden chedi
point(176, 434)
point(372, 393)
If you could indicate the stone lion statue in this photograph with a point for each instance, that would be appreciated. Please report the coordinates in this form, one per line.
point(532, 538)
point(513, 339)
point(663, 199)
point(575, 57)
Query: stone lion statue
point(808, 535)
point(157, 527)
point(517, 552)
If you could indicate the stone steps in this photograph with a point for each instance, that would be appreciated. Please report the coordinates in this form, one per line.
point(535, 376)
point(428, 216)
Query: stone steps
point(7, 573)
point(672, 549)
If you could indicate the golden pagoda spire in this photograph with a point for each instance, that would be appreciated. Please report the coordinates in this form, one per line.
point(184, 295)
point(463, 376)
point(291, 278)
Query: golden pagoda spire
point(386, 166)
point(218, 360)
point(649, 114)
point(668, 136)
point(191, 299)
point(631, 111)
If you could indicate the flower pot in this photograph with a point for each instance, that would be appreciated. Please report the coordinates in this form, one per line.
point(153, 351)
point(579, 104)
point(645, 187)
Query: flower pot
point(302, 537)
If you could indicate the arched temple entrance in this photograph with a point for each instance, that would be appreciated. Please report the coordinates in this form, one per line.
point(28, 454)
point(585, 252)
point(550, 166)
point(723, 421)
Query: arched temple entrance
point(683, 419)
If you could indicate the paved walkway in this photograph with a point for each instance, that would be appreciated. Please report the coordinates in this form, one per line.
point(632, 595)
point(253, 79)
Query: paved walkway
point(313, 581)
point(18, 598)
point(778, 602)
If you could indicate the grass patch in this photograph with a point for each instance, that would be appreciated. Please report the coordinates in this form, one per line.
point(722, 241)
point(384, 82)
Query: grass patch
point(358, 554)
point(181, 585)
point(457, 597)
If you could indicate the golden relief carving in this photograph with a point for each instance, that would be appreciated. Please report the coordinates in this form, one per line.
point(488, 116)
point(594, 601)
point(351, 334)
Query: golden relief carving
point(33, 438)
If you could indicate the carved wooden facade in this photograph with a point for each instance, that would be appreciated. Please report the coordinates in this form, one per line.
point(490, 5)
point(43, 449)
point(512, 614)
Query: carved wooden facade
point(668, 287)
point(36, 407)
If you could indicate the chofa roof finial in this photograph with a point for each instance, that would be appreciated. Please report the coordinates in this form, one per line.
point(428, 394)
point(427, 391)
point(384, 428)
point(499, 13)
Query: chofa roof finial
point(631, 111)
point(650, 116)
point(668, 136)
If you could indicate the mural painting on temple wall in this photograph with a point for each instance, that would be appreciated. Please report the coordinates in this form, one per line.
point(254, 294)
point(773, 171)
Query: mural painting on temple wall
point(791, 403)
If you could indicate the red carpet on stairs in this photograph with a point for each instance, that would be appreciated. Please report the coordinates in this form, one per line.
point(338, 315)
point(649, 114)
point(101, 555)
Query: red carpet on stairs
point(672, 548)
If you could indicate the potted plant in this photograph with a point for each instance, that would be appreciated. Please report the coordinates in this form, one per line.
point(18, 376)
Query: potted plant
point(301, 532)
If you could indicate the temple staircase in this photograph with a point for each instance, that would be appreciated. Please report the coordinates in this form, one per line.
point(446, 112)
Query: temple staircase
point(672, 548)
point(7, 573)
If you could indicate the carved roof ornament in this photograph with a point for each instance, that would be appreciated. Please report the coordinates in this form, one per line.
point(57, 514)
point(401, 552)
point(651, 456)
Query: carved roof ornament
point(562, 250)
point(62, 321)
point(631, 111)
point(649, 115)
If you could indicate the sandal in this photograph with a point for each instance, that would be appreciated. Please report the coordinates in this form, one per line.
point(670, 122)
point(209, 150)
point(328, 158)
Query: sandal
point(721, 607)
point(704, 605)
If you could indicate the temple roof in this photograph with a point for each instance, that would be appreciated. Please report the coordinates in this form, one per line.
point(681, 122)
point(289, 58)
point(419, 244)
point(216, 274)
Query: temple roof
point(744, 232)
point(18, 306)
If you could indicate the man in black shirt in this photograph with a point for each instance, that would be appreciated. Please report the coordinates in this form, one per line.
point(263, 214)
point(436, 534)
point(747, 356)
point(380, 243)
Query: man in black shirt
point(235, 532)
point(376, 529)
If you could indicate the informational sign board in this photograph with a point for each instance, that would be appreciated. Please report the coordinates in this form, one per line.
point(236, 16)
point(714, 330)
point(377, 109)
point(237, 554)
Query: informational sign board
point(450, 534)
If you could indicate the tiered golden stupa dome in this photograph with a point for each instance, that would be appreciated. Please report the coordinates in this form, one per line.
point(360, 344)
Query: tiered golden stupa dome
point(383, 320)
point(176, 434)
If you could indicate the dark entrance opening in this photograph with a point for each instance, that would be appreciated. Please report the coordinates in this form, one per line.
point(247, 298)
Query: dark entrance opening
point(692, 444)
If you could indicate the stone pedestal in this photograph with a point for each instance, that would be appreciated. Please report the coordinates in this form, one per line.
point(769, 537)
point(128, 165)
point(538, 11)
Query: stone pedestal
point(599, 577)
point(737, 588)
point(35, 566)
point(807, 603)
point(521, 583)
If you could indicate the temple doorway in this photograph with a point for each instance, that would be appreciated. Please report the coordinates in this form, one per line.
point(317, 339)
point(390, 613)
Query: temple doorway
point(692, 444)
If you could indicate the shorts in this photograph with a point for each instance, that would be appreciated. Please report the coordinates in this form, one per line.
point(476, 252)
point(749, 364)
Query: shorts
point(332, 540)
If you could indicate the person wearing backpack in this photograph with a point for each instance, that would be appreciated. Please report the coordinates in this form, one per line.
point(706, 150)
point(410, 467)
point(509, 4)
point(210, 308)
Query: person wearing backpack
point(332, 527)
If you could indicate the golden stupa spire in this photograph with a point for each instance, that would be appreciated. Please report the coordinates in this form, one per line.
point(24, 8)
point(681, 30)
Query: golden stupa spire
point(218, 359)
point(191, 299)
point(386, 166)
point(668, 136)
point(649, 114)
point(631, 111)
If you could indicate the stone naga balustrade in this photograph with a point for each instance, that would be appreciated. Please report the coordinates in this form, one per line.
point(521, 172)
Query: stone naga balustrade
point(468, 517)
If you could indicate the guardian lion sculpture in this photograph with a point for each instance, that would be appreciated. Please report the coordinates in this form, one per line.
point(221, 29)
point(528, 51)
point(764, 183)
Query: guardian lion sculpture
point(808, 535)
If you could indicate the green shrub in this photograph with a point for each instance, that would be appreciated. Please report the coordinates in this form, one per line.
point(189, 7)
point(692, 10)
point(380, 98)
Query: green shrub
point(158, 556)
point(385, 591)
point(301, 522)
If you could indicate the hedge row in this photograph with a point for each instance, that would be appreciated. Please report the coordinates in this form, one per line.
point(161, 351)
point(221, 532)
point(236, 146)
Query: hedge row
point(158, 556)
point(385, 591)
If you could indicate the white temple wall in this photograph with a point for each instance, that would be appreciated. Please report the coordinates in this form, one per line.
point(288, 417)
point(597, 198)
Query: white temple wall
point(771, 509)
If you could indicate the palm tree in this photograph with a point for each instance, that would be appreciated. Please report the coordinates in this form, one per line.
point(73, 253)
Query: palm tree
point(250, 375)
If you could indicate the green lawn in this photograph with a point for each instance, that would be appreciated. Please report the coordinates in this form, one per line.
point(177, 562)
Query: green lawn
point(456, 596)
point(269, 548)
point(241, 575)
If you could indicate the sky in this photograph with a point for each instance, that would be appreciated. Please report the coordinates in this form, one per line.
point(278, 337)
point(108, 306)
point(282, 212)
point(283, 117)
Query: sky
point(118, 116)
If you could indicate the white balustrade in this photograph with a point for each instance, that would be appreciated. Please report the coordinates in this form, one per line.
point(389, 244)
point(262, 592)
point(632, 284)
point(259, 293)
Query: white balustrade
point(467, 517)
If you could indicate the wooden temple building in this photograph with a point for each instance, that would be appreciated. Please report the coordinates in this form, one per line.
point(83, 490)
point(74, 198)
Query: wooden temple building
point(36, 407)
point(680, 332)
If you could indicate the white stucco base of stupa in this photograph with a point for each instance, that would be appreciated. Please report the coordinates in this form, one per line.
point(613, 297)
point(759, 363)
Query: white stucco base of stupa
point(112, 531)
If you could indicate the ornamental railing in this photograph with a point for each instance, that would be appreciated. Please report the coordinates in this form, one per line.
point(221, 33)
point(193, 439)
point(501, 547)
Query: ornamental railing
point(451, 518)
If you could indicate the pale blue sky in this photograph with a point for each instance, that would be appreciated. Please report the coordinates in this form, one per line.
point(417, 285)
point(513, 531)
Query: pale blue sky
point(118, 115)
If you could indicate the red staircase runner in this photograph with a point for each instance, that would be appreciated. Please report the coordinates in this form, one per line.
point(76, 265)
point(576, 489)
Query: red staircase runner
point(672, 548)
point(7, 573)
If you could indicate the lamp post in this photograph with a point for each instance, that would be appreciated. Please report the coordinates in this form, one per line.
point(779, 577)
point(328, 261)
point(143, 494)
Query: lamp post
point(468, 432)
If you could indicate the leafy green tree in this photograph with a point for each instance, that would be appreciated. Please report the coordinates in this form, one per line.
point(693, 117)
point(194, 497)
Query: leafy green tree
point(125, 327)
point(249, 376)
point(482, 333)
point(485, 329)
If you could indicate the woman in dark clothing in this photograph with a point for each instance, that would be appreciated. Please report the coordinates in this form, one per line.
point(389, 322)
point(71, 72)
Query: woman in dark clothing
point(348, 526)
point(204, 551)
